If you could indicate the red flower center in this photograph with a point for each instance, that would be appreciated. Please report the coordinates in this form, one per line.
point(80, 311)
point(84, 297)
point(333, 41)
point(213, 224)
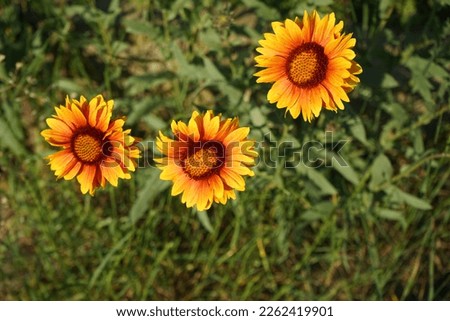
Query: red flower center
point(88, 145)
point(204, 160)
point(306, 66)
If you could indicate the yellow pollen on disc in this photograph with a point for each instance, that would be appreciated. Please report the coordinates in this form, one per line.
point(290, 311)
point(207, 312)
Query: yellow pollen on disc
point(87, 148)
point(202, 163)
point(307, 65)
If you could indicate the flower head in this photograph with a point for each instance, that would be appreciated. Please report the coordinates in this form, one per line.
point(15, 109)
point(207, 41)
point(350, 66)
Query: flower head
point(94, 148)
point(310, 63)
point(207, 159)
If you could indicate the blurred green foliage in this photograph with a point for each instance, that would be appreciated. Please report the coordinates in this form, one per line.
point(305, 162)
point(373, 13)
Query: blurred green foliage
point(375, 229)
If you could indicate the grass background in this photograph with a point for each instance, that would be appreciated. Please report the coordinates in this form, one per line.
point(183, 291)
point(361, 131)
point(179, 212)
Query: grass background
point(375, 230)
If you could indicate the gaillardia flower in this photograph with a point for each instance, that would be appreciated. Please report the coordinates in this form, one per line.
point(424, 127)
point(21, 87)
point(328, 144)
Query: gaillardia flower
point(310, 63)
point(94, 148)
point(207, 159)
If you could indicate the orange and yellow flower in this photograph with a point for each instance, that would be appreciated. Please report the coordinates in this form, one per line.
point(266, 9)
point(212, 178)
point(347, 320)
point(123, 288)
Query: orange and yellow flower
point(310, 63)
point(94, 148)
point(207, 159)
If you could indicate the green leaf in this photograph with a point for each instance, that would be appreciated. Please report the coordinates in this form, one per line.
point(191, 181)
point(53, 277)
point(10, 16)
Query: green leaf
point(185, 69)
point(320, 181)
point(152, 188)
point(421, 85)
point(381, 171)
point(262, 9)
point(397, 111)
point(233, 94)
point(67, 85)
point(3, 74)
point(321, 3)
point(13, 120)
point(119, 46)
point(321, 210)
point(388, 131)
point(444, 2)
point(419, 146)
point(422, 70)
point(35, 66)
point(204, 220)
point(211, 38)
point(392, 215)
point(407, 198)
point(141, 27)
point(114, 6)
point(388, 82)
point(384, 7)
point(73, 10)
point(358, 130)
point(155, 122)
point(257, 117)
point(346, 171)
point(139, 109)
point(177, 7)
point(8, 140)
point(140, 83)
point(211, 70)
point(438, 72)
